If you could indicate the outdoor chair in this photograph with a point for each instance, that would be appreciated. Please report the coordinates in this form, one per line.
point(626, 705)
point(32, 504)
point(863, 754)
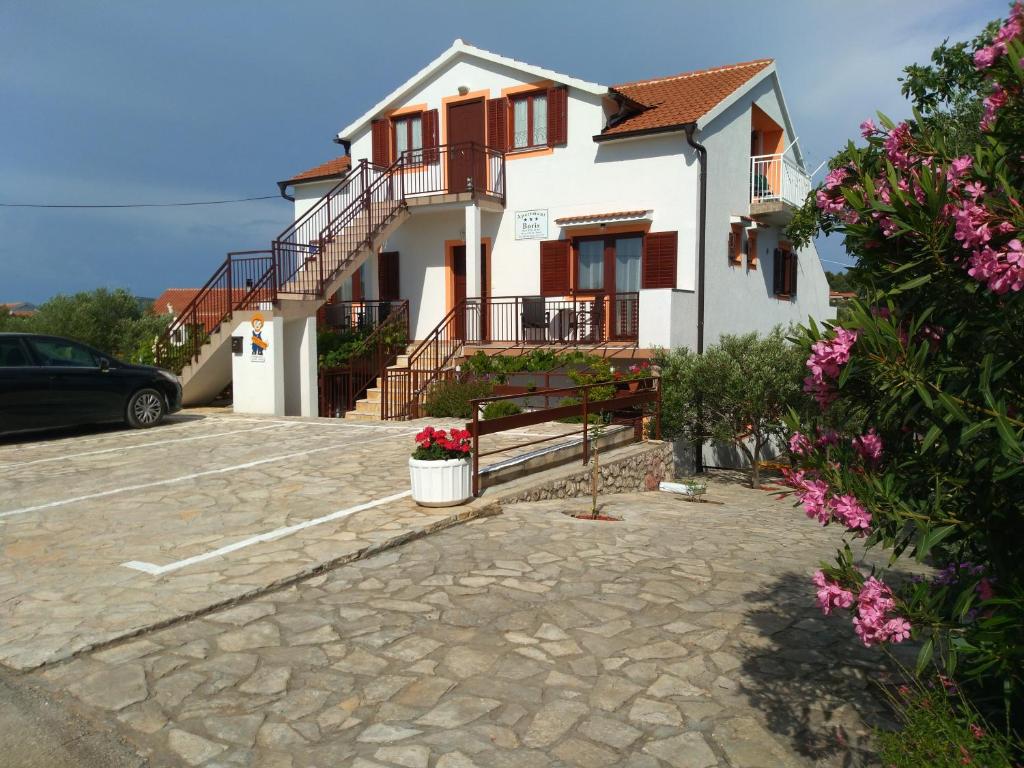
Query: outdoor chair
point(534, 319)
point(564, 325)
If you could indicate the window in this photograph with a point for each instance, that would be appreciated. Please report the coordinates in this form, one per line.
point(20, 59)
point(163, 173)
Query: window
point(408, 132)
point(628, 251)
point(12, 354)
point(785, 271)
point(56, 352)
point(530, 121)
point(590, 265)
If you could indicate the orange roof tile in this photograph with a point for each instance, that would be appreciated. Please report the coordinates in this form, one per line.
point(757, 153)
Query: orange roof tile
point(174, 300)
point(339, 166)
point(680, 99)
point(566, 221)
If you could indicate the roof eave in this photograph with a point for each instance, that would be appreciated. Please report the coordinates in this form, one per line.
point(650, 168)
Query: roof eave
point(677, 128)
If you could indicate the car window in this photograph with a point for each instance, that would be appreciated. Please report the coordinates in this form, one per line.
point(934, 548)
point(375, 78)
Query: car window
point(12, 353)
point(56, 352)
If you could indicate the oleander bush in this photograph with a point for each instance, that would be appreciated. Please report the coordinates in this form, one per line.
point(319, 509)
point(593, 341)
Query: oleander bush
point(928, 462)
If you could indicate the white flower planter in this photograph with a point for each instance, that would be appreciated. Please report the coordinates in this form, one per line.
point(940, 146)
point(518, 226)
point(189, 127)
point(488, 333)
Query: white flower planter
point(441, 483)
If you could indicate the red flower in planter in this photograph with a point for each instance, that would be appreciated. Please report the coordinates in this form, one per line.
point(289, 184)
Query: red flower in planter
point(440, 445)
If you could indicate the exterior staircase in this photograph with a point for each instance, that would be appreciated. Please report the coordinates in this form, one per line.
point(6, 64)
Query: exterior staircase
point(307, 263)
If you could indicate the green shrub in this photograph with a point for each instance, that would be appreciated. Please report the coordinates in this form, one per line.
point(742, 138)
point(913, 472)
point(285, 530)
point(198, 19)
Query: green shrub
point(501, 408)
point(940, 730)
point(534, 361)
point(450, 398)
point(336, 347)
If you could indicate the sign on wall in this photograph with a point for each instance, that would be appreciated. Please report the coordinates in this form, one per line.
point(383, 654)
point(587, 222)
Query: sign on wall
point(532, 225)
point(259, 344)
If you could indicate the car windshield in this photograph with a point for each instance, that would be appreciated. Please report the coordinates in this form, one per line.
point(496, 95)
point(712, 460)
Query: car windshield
point(54, 352)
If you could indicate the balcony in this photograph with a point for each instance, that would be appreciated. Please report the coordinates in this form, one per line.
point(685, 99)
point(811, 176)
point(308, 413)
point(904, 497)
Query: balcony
point(777, 186)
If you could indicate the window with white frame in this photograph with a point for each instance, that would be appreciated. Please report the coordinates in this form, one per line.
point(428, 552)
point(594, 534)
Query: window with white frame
point(408, 133)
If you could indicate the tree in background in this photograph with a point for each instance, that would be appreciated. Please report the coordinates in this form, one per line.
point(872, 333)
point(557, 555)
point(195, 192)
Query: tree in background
point(738, 392)
point(929, 358)
point(111, 321)
point(840, 281)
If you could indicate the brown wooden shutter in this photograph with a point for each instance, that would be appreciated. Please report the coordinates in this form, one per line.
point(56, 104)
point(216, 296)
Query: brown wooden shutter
point(558, 118)
point(381, 133)
point(778, 272)
point(735, 244)
point(659, 260)
point(554, 267)
point(387, 276)
point(751, 249)
point(430, 140)
point(791, 268)
point(497, 124)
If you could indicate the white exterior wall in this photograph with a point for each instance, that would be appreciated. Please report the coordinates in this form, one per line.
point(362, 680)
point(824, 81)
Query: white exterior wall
point(738, 300)
point(257, 381)
point(658, 172)
point(582, 177)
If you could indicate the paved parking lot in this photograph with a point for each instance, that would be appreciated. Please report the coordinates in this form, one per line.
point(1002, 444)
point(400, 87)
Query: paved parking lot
point(685, 636)
point(105, 533)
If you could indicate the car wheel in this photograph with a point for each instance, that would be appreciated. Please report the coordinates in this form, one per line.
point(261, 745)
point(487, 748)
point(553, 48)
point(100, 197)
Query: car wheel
point(146, 408)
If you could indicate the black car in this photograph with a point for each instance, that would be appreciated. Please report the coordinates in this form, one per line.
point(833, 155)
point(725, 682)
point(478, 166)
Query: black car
point(47, 381)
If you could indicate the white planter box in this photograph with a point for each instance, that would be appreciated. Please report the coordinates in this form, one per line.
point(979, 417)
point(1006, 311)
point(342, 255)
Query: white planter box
point(441, 483)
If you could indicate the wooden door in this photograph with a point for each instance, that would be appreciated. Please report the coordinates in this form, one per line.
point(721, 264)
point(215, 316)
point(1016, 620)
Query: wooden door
point(466, 164)
point(387, 276)
point(459, 289)
point(459, 292)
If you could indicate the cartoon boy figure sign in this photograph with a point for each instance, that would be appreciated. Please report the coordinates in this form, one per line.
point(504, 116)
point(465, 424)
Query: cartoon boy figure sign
point(258, 343)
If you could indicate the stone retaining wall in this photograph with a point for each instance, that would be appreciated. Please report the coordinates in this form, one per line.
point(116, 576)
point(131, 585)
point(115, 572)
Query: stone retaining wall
point(639, 467)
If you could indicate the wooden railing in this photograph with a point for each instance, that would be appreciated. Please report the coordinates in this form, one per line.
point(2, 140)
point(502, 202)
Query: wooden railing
point(340, 387)
point(576, 401)
point(239, 283)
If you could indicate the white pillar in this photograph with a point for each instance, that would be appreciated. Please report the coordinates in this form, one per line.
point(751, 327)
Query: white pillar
point(473, 251)
point(309, 403)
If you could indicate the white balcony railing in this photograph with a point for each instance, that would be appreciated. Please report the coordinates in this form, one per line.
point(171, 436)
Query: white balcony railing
point(776, 177)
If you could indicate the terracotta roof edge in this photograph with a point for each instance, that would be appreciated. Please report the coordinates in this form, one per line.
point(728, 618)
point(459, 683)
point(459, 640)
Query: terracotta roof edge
point(693, 73)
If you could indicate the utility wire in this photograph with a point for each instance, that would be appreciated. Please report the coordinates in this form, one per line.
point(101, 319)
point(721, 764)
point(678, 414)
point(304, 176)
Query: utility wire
point(138, 205)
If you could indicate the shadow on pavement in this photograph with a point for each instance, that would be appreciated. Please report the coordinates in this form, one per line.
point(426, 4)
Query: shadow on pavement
point(815, 683)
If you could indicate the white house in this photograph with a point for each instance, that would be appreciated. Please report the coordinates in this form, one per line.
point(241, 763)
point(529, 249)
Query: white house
point(622, 218)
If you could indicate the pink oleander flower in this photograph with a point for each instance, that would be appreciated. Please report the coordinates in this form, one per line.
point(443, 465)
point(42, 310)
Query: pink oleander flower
point(992, 104)
point(898, 145)
point(868, 445)
point(828, 203)
point(836, 177)
point(830, 594)
point(868, 128)
point(972, 224)
point(849, 511)
point(984, 588)
point(1001, 271)
point(958, 167)
point(799, 444)
point(974, 189)
point(827, 355)
point(977, 731)
point(873, 624)
point(985, 57)
point(813, 494)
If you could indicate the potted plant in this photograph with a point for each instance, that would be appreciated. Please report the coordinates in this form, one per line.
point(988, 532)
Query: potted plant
point(439, 468)
point(637, 372)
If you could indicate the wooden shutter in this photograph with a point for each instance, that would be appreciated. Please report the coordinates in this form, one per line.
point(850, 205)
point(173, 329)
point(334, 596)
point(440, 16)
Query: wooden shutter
point(751, 249)
point(430, 140)
point(381, 134)
point(778, 272)
point(497, 124)
point(554, 267)
point(791, 265)
point(735, 244)
point(659, 260)
point(387, 276)
point(558, 108)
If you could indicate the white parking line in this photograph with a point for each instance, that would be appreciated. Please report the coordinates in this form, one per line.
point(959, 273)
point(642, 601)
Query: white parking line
point(277, 533)
point(183, 478)
point(19, 464)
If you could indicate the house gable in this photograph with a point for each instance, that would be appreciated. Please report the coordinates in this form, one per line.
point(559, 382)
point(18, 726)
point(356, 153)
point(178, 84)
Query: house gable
point(460, 50)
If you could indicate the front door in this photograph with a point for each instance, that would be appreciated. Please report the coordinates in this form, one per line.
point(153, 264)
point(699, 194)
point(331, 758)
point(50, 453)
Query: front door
point(459, 290)
point(467, 167)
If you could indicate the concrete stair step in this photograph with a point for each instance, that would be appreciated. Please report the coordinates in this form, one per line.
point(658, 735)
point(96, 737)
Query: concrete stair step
point(373, 395)
point(365, 406)
point(358, 416)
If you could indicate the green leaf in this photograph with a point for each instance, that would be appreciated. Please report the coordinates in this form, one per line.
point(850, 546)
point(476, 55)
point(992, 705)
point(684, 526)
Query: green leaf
point(932, 537)
point(950, 405)
point(924, 656)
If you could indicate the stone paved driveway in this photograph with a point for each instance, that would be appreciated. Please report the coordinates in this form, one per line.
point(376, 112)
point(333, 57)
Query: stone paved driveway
point(684, 635)
point(108, 533)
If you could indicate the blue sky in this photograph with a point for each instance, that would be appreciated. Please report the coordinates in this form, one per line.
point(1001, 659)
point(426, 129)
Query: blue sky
point(147, 102)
